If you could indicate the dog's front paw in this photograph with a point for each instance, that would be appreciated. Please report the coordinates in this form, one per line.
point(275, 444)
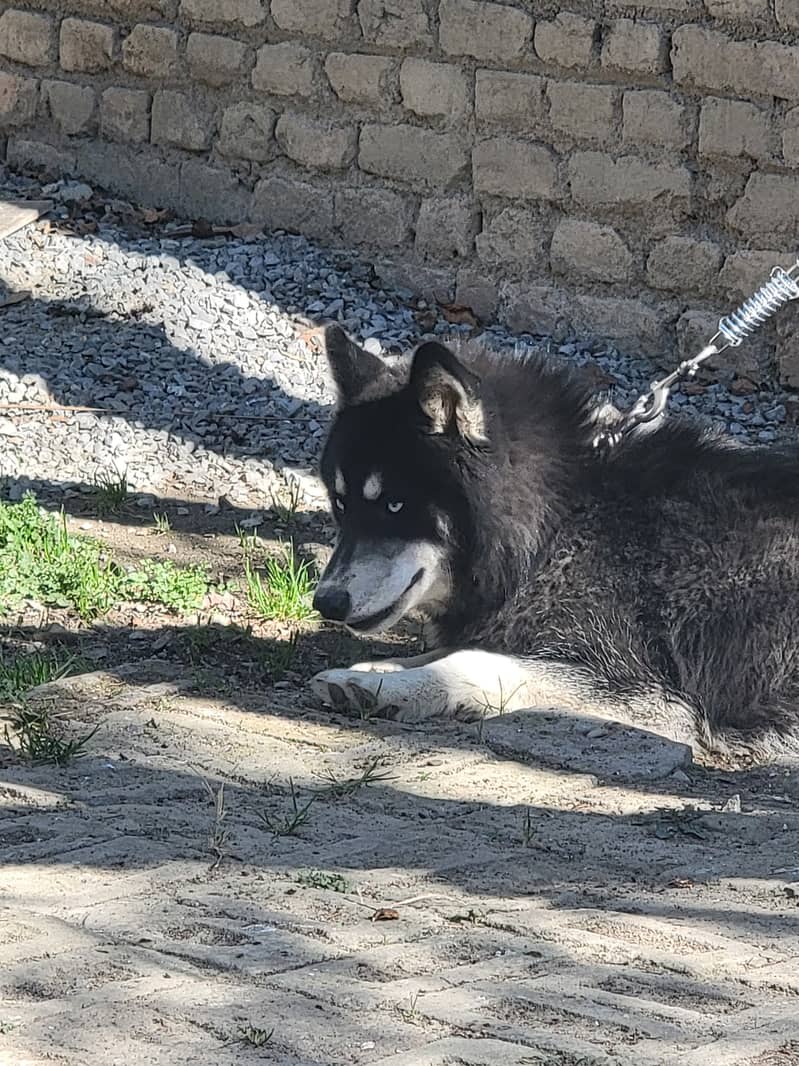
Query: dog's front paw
point(356, 690)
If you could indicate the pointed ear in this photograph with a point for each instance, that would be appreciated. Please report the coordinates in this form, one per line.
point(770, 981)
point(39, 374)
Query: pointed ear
point(358, 375)
point(447, 392)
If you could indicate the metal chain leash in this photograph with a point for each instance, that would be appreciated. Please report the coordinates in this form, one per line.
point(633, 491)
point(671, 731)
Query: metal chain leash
point(781, 287)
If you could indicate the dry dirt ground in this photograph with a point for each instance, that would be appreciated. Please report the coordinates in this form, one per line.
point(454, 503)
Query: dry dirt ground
point(212, 885)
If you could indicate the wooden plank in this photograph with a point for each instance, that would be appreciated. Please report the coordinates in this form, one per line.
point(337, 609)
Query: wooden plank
point(14, 214)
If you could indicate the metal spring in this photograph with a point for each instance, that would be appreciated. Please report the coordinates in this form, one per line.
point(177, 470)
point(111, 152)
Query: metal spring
point(769, 298)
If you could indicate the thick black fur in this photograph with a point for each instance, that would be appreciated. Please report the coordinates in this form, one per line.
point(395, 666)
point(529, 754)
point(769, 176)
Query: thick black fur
point(672, 564)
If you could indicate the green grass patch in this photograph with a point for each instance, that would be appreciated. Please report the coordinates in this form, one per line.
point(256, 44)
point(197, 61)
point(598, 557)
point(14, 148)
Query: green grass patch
point(324, 880)
point(23, 672)
point(111, 494)
point(280, 589)
point(34, 734)
point(40, 560)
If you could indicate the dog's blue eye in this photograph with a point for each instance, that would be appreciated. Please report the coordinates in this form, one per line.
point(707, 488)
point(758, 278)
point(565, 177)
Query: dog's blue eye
point(395, 506)
point(339, 503)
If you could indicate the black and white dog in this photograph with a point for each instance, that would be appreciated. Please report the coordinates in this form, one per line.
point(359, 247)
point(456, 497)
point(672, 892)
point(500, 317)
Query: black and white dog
point(664, 577)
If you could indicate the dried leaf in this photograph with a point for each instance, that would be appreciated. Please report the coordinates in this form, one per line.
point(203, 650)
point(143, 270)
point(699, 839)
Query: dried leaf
point(458, 315)
point(385, 914)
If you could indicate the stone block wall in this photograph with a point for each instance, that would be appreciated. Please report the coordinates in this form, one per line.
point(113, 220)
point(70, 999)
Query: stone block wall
point(618, 169)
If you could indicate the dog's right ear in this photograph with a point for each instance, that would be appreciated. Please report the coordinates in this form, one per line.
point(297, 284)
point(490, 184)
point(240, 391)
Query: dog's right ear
point(358, 375)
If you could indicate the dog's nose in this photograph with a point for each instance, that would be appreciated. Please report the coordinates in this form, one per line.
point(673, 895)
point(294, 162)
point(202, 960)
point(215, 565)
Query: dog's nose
point(333, 604)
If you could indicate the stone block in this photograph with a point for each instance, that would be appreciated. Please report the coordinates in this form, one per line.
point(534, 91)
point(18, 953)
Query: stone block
point(534, 308)
point(637, 47)
point(86, 46)
point(734, 128)
point(435, 90)
point(411, 154)
point(212, 193)
point(27, 38)
point(401, 24)
point(684, 265)
point(477, 292)
point(707, 59)
point(567, 40)
point(246, 13)
point(590, 250)
point(695, 328)
point(70, 106)
point(328, 19)
point(247, 132)
point(125, 115)
point(214, 59)
point(375, 217)
point(517, 169)
point(600, 181)
point(284, 70)
point(446, 228)
point(151, 51)
point(296, 206)
point(652, 116)
point(18, 99)
point(745, 271)
point(631, 324)
point(769, 207)
point(513, 101)
point(178, 122)
point(790, 138)
point(434, 283)
point(496, 33)
point(586, 112)
point(514, 235)
point(787, 14)
point(739, 10)
point(133, 172)
point(360, 79)
point(316, 142)
point(46, 160)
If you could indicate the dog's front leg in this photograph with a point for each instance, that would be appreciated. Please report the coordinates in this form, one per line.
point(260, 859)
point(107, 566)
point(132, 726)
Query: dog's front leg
point(463, 684)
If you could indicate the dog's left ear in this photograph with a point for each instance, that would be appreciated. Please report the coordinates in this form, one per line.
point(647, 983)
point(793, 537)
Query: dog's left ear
point(447, 392)
point(358, 375)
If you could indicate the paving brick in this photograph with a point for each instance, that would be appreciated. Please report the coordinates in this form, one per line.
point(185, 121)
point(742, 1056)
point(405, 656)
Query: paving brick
point(237, 12)
point(567, 41)
point(410, 154)
point(375, 217)
point(316, 142)
point(652, 116)
point(638, 47)
point(247, 132)
point(513, 235)
point(434, 90)
point(506, 167)
point(36, 156)
point(590, 250)
point(151, 51)
point(296, 206)
point(513, 101)
point(27, 38)
point(684, 265)
point(86, 46)
point(395, 23)
point(446, 228)
point(600, 181)
point(285, 70)
point(587, 112)
point(18, 99)
point(125, 115)
point(734, 128)
point(494, 32)
point(178, 122)
point(707, 59)
point(787, 13)
point(768, 207)
point(72, 107)
point(534, 308)
point(360, 79)
point(214, 59)
point(328, 19)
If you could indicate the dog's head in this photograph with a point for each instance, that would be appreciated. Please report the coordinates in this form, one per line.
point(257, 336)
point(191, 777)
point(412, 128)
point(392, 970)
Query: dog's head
point(390, 468)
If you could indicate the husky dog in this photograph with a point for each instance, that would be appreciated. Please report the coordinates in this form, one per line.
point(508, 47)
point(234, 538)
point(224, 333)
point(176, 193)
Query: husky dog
point(663, 576)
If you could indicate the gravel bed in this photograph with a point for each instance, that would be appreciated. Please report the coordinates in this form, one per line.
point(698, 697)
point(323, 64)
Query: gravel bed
point(189, 346)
